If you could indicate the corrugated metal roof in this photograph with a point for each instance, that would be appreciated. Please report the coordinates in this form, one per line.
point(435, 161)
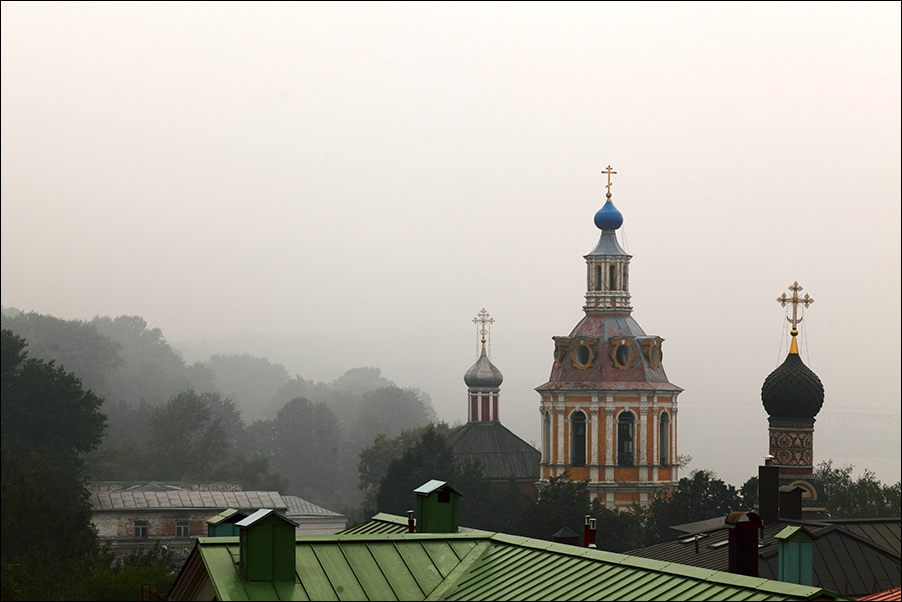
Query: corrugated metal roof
point(478, 566)
point(890, 595)
point(298, 506)
point(181, 499)
point(844, 560)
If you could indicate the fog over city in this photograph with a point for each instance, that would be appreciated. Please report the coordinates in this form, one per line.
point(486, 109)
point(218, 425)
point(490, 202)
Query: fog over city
point(332, 186)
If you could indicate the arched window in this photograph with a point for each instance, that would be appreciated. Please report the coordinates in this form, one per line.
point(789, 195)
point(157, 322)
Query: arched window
point(577, 439)
point(626, 439)
point(612, 278)
point(547, 423)
point(599, 284)
point(664, 439)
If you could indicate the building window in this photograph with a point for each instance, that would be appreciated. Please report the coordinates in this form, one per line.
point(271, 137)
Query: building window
point(626, 439)
point(140, 528)
point(664, 439)
point(612, 278)
point(182, 529)
point(547, 422)
point(577, 439)
point(599, 283)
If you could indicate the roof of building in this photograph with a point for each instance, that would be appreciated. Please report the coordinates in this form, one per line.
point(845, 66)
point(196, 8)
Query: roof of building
point(301, 507)
point(483, 374)
point(792, 390)
point(599, 330)
point(469, 566)
point(180, 499)
point(609, 218)
point(853, 557)
point(890, 595)
point(502, 453)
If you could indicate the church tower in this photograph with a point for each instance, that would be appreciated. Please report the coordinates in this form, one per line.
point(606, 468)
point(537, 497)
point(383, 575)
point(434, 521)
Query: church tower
point(504, 456)
point(792, 396)
point(608, 412)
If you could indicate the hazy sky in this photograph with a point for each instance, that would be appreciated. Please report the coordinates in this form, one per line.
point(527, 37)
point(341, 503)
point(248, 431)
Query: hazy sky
point(342, 185)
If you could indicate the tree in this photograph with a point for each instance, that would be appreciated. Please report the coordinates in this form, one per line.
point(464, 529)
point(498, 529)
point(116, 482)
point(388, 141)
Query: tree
point(307, 440)
point(430, 458)
point(250, 381)
point(560, 502)
point(48, 423)
point(700, 496)
point(74, 344)
point(151, 369)
point(45, 409)
point(192, 435)
point(749, 493)
point(865, 497)
point(391, 410)
point(121, 579)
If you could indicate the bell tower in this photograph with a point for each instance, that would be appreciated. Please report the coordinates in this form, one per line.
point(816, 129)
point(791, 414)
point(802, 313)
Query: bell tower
point(608, 412)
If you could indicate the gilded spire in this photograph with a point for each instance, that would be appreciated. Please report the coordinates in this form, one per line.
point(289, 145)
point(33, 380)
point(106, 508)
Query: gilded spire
point(483, 319)
point(795, 300)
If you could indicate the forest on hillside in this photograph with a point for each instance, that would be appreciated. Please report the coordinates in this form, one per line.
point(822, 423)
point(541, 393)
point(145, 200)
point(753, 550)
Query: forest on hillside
point(236, 418)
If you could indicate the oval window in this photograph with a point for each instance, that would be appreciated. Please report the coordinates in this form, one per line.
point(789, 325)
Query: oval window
point(582, 355)
point(623, 354)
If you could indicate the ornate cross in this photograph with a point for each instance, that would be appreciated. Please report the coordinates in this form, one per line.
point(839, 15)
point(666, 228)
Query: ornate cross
point(796, 301)
point(483, 318)
point(609, 172)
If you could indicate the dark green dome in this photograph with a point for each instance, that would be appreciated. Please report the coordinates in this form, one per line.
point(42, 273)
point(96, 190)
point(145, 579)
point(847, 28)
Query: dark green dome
point(792, 390)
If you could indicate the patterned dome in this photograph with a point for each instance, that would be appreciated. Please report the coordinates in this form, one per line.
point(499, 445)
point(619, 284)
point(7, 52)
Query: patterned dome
point(608, 217)
point(792, 390)
point(483, 373)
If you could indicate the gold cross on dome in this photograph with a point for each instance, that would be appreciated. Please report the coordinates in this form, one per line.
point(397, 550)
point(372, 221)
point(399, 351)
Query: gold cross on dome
point(483, 318)
point(609, 171)
point(796, 301)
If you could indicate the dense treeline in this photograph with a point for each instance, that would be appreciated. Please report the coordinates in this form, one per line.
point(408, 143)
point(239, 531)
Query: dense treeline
point(49, 548)
point(232, 418)
point(393, 467)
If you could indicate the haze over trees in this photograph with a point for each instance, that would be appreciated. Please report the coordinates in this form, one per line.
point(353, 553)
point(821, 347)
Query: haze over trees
point(237, 417)
point(359, 444)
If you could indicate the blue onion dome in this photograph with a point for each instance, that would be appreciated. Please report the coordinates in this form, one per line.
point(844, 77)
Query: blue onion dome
point(608, 218)
point(483, 373)
point(793, 390)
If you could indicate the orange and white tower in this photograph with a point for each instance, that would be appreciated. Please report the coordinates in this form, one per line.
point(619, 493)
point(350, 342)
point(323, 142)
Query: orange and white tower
point(608, 412)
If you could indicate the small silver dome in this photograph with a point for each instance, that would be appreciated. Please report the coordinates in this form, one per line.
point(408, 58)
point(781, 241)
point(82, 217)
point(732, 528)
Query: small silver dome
point(483, 373)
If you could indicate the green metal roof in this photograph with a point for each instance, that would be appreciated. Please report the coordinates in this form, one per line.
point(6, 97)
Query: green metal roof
point(476, 566)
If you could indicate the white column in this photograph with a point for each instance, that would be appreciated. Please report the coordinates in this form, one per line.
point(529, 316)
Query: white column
point(643, 439)
point(673, 438)
point(609, 441)
point(559, 458)
point(593, 451)
point(656, 437)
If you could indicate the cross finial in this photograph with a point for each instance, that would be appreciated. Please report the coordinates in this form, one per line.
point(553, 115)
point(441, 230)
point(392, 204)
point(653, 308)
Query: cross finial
point(483, 318)
point(609, 171)
point(795, 300)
